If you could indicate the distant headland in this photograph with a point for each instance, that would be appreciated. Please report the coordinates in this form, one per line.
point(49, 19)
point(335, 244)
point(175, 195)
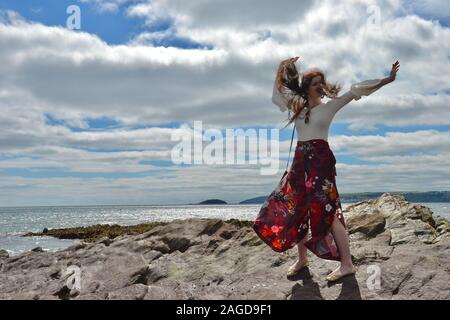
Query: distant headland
point(212, 201)
point(413, 196)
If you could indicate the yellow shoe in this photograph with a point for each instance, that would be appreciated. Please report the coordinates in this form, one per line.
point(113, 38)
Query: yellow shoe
point(292, 271)
point(336, 276)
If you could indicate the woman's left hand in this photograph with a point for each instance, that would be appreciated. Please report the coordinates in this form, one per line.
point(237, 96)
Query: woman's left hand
point(395, 68)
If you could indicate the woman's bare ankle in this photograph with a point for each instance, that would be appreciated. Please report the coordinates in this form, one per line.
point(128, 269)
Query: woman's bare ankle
point(302, 260)
point(346, 265)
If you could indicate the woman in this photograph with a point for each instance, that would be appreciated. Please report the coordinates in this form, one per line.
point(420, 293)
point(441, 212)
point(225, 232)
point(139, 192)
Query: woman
point(312, 173)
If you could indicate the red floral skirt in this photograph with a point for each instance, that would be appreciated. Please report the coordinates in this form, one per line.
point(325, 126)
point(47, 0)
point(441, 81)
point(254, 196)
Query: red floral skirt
point(306, 198)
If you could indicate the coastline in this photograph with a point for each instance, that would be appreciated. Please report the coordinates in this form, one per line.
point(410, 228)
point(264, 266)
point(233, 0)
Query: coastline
point(75, 232)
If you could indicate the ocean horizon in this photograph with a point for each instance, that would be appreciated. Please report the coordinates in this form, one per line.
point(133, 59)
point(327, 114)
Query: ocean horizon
point(16, 221)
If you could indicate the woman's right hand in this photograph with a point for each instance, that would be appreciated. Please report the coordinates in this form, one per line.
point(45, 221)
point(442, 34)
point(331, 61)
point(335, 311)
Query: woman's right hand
point(289, 60)
point(283, 70)
point(286, 62)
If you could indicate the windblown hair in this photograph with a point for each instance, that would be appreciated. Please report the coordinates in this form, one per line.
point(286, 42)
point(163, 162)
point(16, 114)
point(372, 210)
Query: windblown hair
point(288, 83)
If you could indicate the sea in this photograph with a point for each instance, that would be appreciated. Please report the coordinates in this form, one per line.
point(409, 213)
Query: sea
point(15, 221)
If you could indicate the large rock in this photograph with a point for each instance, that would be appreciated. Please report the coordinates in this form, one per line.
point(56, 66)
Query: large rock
point(401, 250)
point(407, 222)
point(368, 224)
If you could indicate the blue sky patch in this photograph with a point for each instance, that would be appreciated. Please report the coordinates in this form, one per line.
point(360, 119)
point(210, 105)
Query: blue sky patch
point(111, 27)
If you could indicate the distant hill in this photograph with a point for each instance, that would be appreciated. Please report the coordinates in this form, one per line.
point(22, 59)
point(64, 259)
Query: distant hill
point(412, 196)
point(256, 200)
point(213, 201)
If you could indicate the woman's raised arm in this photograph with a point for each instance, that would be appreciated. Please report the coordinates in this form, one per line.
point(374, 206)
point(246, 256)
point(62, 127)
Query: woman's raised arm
point(363, 88)
point(392, 76)
point(280, 98)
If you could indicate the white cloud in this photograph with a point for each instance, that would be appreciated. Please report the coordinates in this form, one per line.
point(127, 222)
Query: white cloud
point(141, 84)
point(219, 13)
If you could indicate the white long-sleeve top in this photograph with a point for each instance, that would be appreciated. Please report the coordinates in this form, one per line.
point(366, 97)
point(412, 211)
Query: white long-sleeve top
point(321, 115)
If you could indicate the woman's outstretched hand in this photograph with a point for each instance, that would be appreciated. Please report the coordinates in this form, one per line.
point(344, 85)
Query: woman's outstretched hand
point(395, 68)
point(390, 78)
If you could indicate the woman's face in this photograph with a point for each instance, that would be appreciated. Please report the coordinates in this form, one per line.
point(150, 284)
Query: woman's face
point(315, 89)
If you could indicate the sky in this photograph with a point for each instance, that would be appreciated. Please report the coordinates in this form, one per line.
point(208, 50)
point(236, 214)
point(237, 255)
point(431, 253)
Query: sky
point(88, 115)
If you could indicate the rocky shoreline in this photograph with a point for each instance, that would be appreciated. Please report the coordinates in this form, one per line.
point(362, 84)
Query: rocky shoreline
point(401, 249)
point(96, 232)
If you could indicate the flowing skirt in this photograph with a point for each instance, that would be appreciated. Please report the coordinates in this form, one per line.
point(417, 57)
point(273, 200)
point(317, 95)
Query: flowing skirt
point(309, 192)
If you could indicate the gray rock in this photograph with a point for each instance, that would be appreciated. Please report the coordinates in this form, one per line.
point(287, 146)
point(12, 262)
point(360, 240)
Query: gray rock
point(4, 254)
point(402, 251)
point(104, 240)
point(160, 293)
point(133, 292)
point(368, 224)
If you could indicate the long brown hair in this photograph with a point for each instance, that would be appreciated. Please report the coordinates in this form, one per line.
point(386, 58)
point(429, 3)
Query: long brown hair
point(287, 77)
